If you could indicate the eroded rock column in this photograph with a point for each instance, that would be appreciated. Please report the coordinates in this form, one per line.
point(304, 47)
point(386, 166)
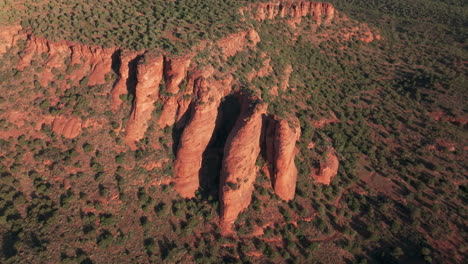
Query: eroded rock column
point(149, 75)
point(284, 177)
point(195, 138)
point(238, 169)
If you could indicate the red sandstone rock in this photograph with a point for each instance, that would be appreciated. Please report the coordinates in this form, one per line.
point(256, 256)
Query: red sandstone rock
point(169, 111)
point(239, 169)
point(284, 146)
point(175, 71)
point(328, 168)
point(149, 75)
point(94, 62)
point(197, 135)
point(120, 87)
point(68, 127)
point(238, 42)
point(294, 9)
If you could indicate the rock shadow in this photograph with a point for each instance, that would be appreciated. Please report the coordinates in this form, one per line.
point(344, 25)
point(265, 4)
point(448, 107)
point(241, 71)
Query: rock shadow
point(209, 175)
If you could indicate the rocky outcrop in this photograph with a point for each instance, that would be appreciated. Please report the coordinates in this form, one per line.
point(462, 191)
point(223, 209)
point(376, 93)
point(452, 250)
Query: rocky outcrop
point(175, 72)
point(238, 168)
point(320, 12)
point(197, 134)
point(169, 112)
point(149, 75)
point(328, 168)
point(128, 60)
point(68, 127)
point(86, 61)
point(234, 43)
point(281, 151)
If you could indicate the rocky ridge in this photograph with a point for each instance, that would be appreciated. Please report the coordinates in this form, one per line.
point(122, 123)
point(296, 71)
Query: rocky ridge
point(190, 100)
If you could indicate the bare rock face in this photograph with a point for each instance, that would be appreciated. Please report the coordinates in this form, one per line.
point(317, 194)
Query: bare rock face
point(197, 135)
point(169, 112)
point(238, 169)
point(68, 127)
point(120, 88)
point(88, 61)
point(149, 75)
point(175, 71)
point(283, 150)
point(235, 43)
point(320, 12)
point(328, 168)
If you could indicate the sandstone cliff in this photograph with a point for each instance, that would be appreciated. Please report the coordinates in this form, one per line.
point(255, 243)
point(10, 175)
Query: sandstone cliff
point(239, 169)
point(320, 12)
point(281, 151)
point(175, 72)
point(149, 75)
point(197, 135)
point(86, 61)
point(128, 60)
point(191, 96)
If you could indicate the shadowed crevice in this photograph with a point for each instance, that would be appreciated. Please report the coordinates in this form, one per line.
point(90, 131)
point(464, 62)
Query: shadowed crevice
point(228, 113)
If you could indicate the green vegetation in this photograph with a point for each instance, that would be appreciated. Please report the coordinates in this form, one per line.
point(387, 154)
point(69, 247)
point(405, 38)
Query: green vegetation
point(137, 25)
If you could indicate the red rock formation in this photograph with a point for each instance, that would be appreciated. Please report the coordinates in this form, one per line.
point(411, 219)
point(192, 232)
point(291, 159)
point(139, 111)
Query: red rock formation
point(294, 9)
point(238, 42)
point(281, 150)
point(175, 71)
point(169, 111)
point(94, 62)
point(149, 75)
point(68, 127)
point(239, 169)
point(197, 134)
point(328, 168)
point(8, 36)
point(120, 88)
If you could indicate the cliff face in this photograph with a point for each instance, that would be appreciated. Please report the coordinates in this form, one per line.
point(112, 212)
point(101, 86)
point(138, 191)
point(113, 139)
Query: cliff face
point(149, 75)
point(239, 169)
point(197, 134)
point(191, 96)
point(87, 61)
point(175, 72)
point(128, 60)
point(281, 151)
point(320, 12)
